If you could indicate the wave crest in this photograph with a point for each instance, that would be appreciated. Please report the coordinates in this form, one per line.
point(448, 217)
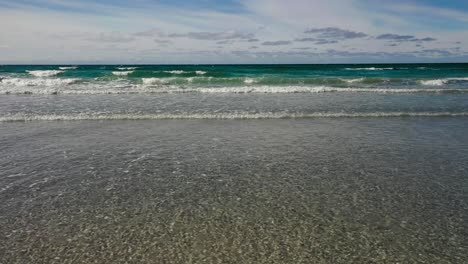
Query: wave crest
point(369, 69)
point(122, 73)
point(154, 81)
point(37, 82)
point(175, 72)
point(48, 73)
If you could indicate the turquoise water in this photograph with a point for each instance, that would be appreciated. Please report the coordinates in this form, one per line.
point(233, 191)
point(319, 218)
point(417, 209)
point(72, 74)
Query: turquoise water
point(189, 76)
point(231, 91)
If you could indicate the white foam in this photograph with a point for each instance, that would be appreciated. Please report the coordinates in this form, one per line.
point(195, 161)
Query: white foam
point(438, 82)
point(175, 72)
point(458, 79)
point(37, 82)
point(49, 73)
point(353, 80)
point(249, 81)
point(68, 68)
point(127, 68)
point(368, 69)
point(122, 73)
point(24, 117)
point(200, 72)
point(305, 89)
point(159, 86)
point(441, 82)
point(154, 81)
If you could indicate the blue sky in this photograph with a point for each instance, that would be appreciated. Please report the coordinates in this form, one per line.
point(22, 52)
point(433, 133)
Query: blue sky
point(233, 31)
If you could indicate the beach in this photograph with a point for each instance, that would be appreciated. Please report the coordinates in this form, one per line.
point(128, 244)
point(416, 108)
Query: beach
point(270, 191)
point(113, 170)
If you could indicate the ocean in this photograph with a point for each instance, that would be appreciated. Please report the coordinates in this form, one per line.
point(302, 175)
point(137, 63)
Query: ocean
point(234, 163)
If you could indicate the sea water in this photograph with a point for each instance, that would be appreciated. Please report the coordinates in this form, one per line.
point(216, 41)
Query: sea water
point(234, 164)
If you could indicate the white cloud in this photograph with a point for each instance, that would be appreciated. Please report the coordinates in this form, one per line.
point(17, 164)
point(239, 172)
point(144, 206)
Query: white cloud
point(143, 33)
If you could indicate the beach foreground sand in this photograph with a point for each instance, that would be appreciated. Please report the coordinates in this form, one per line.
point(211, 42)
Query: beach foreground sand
point(272, 191)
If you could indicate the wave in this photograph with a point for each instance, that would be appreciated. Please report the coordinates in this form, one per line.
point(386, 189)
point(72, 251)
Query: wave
point(441, 82)
point(48, 73)
point(249, 81)
point(122, 73)
point(200, 72)
point(68, 68)
point(154, 81)
point(24, 117)
point(176, 72)
point(156, 86)
point(353, 80)
point(127, 68)
point(37, 82)
point(369, 69)
point(305, 89)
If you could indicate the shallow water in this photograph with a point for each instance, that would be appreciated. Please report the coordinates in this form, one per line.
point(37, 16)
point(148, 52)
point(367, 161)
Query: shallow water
point(328, 190)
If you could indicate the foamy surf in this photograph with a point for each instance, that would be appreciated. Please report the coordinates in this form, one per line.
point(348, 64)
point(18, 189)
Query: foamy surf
point(353, 80)
point(441, 82)
point(24, 117)
point(369, 69)
point(154, 81)
point(48, 73)
point(68, 68)
point(159, 86)
point(36, 82)
point(175, 72)
point(249, 81)
point(122, 73)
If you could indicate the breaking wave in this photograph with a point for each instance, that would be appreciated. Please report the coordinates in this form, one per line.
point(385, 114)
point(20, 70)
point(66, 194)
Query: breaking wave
point(36, 82)
point(158, 86)
point(369, 69)
point(249, 81)
point(122, 73)
point(175, 72)
point(127, 68)
point(68, 68)
point(154, 81)
point(441, 82)
point(24, 117)
point(48, 73)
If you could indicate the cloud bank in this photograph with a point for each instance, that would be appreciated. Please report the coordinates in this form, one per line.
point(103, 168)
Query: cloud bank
point(232, 31)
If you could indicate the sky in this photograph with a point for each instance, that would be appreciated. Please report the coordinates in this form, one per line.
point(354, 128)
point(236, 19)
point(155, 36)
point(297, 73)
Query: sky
point(232, 31)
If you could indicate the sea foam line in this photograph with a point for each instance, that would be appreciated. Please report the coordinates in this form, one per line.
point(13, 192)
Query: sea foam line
point(226, 116)
point(369, 69)
point(25, 88)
